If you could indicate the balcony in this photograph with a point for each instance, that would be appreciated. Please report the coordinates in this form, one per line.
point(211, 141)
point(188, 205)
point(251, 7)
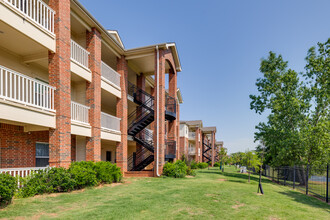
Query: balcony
point(191, 151)
point(32, 18)
point(110, 80)
point(192, 136)
point(80, 120)
point(110, 127)
point(26, 100)
point(170, 150)
point(170, 108)
point(79, 61)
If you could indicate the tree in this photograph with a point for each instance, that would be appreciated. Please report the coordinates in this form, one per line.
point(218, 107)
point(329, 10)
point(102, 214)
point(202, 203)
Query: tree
point(251, 161)
point(316, 127)
point(281, 94)
point(222, 156)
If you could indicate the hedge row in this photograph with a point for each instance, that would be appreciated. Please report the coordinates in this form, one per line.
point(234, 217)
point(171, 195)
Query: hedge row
point(53, 180)
point(179, 169)
point(194, 165)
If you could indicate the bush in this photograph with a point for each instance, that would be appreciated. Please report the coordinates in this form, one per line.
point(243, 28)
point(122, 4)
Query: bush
point(84, 174)
point(176, 170)
point(107, 172)
point(194, 165)
point(8, 186)
point(53, 180)
point(216, 164)
point(203, 165)
point(191, 172)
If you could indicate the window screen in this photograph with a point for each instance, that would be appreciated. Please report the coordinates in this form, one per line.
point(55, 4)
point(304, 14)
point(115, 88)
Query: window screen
point(42, 154)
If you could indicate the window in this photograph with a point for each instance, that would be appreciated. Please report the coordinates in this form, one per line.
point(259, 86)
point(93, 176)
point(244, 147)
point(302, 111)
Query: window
point(108, 156)
point(42, 154)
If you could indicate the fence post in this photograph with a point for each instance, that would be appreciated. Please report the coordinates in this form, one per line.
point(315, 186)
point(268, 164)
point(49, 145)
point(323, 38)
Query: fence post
point(294, 176)
point(273, 173)
point(278, 174)
point(327, 193)
point(307, 179)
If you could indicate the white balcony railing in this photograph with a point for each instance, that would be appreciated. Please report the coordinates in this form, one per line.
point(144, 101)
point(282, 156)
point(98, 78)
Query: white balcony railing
point(21, 172)
point(79, 113)
point(22, 89)
point(191, 135)
point(110, 122)
point(110, 74)
point(191, 151)
point(79, 54)
point(37, 10)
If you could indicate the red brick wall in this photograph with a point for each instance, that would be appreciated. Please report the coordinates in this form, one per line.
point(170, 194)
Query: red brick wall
point(60, 77)
point(93, 95)
point(122, 107)
point(18, 148)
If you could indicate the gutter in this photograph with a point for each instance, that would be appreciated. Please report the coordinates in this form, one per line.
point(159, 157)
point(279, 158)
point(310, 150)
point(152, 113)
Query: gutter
point(157, 141)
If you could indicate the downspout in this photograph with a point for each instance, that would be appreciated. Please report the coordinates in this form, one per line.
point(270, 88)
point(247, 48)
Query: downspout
point(157, 124)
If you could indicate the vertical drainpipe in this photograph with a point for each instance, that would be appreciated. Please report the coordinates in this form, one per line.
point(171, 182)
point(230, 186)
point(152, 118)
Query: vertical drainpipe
point(157, 124)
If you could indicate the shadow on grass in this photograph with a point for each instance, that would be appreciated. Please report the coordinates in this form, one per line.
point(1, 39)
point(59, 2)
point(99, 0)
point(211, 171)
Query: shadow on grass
point(307, 200)
point(244, 177)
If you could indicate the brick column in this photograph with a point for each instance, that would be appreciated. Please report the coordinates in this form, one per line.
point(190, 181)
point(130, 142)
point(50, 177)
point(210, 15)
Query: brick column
point(213, 146)
point(93, 95)
point(60, 77)
point(197, 144)
point(160, 120)
point(122, 113)
point(178, 141)
point(172, 88)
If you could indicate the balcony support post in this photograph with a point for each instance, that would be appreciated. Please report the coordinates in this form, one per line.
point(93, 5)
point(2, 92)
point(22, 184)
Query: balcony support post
point(122, 113)
point(60, 78)
point(93, 95)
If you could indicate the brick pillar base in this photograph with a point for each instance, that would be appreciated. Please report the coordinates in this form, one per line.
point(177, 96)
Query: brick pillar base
point(60, 77)
point(122, 113)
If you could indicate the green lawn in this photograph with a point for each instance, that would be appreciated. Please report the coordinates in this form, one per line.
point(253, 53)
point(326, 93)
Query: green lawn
point(206, 196)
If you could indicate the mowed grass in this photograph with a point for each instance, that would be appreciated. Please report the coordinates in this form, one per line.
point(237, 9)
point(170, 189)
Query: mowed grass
point(210, 195)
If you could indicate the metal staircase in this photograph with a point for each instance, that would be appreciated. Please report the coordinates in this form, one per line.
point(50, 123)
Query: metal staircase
point(138, 121)
point(206, 152)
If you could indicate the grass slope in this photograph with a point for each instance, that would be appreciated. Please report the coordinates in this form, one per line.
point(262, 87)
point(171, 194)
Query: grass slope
point(205, 197)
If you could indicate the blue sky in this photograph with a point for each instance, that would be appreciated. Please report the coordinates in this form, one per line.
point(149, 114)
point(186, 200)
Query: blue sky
point(220, 45)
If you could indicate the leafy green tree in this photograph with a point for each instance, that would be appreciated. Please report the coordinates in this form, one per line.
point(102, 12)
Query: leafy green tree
point(316, 127)
point(280, 94)
point(251, 160)
point(222, 156)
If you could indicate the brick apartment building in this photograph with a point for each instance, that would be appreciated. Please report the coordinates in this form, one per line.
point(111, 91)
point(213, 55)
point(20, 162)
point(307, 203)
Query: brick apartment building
point(70, 91)
point(197, 142)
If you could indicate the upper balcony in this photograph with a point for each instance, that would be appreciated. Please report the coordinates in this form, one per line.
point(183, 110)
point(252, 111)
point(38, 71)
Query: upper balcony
point(26, 100)
point(110, 127)
point(28, 19)
point(80, 120)
point(192, 136)
point(110, 80)
point(79, 61)
point(170, 108)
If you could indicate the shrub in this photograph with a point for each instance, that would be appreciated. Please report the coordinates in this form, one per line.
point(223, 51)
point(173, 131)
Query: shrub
point(8, 186)
point(176, 170)
point(194, 165)
point(107, 172)
point(84, 174)
point(52, 180)
point(203, 165)
point(191, 172)
point(33, 184)
point(216, 164)
point(59, 180)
